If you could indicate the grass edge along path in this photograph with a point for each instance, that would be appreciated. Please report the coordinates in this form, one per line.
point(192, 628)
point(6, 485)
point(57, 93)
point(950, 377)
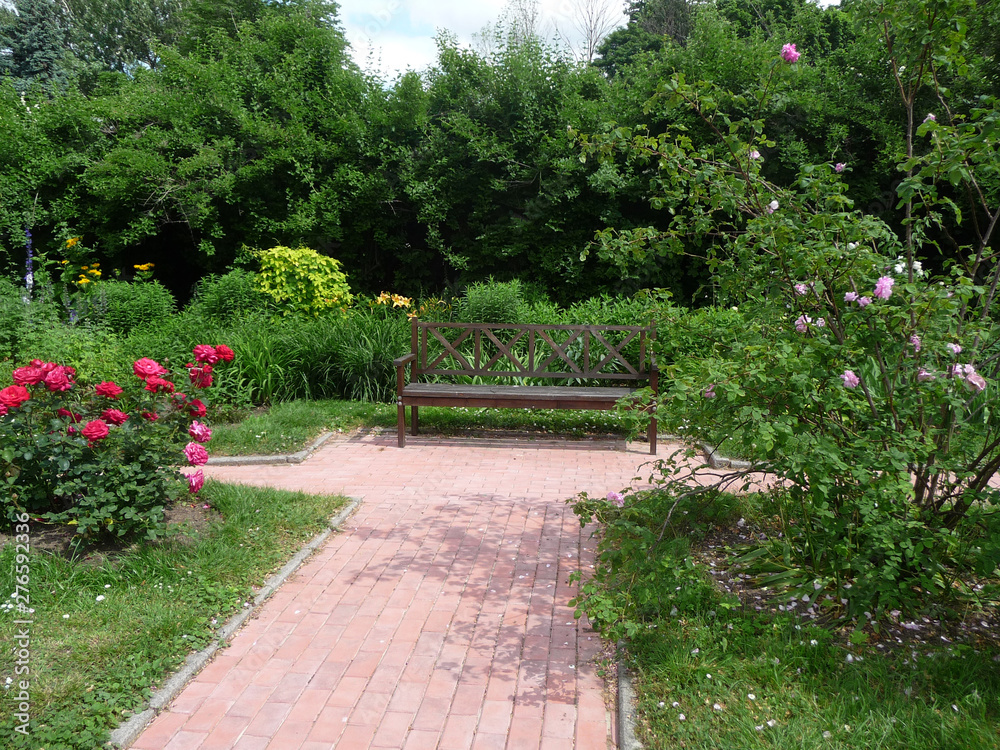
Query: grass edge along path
point(107, 631)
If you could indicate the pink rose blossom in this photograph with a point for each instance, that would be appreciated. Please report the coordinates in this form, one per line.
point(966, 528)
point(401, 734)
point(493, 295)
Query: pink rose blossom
point(200, 432)
point(196, 481)
point(850, 379)
point(883, 287)
point(915, 342)
point(755, 154)
point(616, 498)
point(802, 323)
point(850, 297)
point(923, 375)
point(789, 54)
point(801, 289)
point(773, 206)
point(195, 454)
point(864, 301)
point(976, 382)
point(954, 348)
point(820, 322)
point(709, 392)
point(839, 167)
point(930, 117)
point(145, 367)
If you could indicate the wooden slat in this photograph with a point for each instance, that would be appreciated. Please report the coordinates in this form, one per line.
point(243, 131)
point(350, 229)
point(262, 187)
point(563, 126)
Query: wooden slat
point(614, 354)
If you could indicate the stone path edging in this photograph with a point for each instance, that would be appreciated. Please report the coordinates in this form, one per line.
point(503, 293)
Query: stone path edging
point(281, 458)
point(128, 732)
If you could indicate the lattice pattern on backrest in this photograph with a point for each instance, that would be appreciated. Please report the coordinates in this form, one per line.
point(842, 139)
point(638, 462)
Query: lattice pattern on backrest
point(538, 351)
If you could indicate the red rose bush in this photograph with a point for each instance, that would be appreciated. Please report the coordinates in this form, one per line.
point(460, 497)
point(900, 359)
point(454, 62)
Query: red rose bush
point(105, 458)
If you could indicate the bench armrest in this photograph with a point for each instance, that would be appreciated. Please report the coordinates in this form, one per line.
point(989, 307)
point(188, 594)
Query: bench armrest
point(404, 360)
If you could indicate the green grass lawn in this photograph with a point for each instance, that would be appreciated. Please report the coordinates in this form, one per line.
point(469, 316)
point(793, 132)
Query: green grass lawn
point(749, 680)
point(106, 629)
point(290, 426)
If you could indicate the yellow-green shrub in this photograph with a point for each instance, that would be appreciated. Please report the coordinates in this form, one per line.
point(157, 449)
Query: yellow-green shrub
point(300, 280)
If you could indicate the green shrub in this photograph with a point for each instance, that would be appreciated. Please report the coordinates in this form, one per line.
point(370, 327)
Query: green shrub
point(493, 302)
point(92, 351)
point(232, 296)
point(16, 318)
point(124, 306)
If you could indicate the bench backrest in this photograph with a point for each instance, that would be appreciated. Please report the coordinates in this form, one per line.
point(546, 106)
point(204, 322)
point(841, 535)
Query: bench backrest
point(532, 351)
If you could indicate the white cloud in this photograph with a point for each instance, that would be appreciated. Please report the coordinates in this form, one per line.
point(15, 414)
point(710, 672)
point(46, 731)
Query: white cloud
point(401, 32)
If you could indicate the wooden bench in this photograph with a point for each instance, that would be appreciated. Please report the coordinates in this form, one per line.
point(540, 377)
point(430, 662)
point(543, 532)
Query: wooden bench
point(513, 353)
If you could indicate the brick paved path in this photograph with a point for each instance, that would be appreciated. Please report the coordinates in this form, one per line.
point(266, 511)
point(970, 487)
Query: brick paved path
point(438, 616)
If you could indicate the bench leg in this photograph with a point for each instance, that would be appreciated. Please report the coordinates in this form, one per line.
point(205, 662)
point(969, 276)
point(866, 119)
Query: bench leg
point(652, 435)
point(413, 420)
point(401, 423)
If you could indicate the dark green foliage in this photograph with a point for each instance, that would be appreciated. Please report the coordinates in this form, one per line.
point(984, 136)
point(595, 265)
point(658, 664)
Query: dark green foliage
point(123, 306)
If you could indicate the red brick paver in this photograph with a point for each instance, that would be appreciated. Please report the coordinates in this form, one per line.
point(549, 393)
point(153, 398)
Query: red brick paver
point(437, 618)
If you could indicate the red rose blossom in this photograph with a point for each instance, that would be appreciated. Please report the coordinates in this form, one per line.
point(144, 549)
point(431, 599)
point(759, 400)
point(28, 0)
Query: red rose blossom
point(13, 396)
point(152, 416)
point(59, 379)
point(205, 353)
point(3, 410)
point(67, 414)
point(108, 389)
point(155, 384)
point(114, 416)
point(225, 353)
point(201, 377)
point(197, 408)
point(28, 375)
point(95, 430)
point(145, 367)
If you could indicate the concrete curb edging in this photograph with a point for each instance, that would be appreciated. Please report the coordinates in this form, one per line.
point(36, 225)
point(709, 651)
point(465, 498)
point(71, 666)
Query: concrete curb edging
point(626, 705)
point(129, 732)
point(281, 458)
point(717, 461)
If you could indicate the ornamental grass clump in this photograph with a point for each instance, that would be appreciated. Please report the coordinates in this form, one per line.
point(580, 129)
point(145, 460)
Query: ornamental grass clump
point(103, 458)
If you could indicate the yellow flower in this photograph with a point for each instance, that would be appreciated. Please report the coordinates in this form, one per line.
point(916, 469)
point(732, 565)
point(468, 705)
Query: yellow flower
point(83, 280)
point(64, 262)
point(71, 242)
point(382, 299)
point(400, 301)
point(84, 268)
point(94, 272)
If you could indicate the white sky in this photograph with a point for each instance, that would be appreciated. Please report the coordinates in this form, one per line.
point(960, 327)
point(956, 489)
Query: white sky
point(394, 35)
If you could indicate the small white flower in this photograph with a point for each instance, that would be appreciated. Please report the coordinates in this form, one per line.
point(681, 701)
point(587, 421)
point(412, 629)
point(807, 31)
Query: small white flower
point(954, 708)
point(682, 717)
point(849, 659)
point(675, 704)
point(108, 585)
point(695, 651)
point(65, 617)
point(771, 722)
point(717, 707)
point(708, 677)
point(827, 735)
point(813, 642)
point(661, 704)
point(759, 727)
point(100, 598)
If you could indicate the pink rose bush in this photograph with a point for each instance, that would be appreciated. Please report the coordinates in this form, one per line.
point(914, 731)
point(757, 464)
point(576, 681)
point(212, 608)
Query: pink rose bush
point(74, 451)
point(789, 54)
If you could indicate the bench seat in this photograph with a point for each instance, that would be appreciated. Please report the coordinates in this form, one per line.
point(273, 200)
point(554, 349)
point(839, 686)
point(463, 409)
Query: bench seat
point(514, 396)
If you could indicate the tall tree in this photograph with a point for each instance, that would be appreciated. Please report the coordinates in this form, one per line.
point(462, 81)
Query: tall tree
point(33, 45)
